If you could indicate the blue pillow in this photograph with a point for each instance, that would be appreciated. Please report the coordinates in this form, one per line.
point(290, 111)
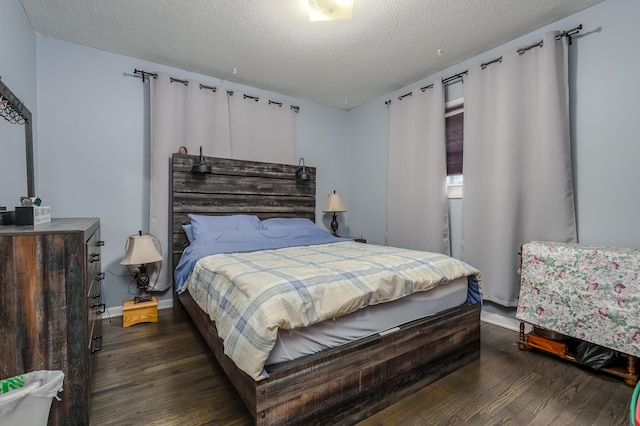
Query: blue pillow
point(201, 224)
point(287, 223)
point(188, 229)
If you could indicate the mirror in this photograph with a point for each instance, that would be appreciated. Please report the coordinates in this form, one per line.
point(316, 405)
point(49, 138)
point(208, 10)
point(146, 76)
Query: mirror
point(17, 145)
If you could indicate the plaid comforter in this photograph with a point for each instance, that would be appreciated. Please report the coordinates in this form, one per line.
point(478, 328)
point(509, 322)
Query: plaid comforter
point(252, 295)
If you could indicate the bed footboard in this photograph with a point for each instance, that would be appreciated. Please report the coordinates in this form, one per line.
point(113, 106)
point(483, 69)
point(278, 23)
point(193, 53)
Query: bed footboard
point(347, 384)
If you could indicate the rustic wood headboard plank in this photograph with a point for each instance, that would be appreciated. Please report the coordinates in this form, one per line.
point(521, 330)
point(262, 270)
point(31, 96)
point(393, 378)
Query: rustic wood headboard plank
point(240, 184)
point(222, 166)
point(235, 187)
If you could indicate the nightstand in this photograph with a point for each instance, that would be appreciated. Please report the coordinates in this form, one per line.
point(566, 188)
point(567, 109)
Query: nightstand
point(134, 313)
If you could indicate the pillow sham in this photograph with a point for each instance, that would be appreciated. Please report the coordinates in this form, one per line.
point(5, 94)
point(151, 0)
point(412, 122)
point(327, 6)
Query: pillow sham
point(188, 229)
point(202, 224)
point(287, 223)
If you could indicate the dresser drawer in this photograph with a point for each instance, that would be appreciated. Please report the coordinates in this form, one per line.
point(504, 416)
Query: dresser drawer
point(93, 257)
point(95, 304)
point(95, 343)
point(96, 308)
point(94, 275)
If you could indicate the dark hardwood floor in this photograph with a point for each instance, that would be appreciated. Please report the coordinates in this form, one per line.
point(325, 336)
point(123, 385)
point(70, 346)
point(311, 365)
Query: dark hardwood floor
point(164, 374)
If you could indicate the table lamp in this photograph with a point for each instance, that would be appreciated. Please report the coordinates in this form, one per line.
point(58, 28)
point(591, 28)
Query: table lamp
point(335, 205)
point(141, 251)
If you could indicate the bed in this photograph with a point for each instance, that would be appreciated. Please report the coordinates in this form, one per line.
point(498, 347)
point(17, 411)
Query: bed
point(330, 384)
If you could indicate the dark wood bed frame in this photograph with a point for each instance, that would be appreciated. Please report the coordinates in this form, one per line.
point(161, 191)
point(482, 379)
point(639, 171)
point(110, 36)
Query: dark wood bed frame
point(338, 386)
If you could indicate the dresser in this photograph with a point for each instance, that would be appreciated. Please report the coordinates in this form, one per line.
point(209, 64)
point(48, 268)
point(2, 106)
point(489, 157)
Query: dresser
point(51, 306)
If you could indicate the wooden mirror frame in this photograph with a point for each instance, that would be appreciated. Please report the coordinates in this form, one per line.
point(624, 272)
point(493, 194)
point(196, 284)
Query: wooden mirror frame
point(17, 105)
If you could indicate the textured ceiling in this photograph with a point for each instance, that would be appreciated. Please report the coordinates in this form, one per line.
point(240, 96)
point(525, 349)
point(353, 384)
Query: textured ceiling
point(273, 46)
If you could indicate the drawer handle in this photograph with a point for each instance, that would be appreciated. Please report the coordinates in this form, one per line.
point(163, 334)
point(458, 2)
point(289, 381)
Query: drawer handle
point(95, 257)
point(97, 296)
point(100, 276)
point(94, 348)
point(95, 305)
point(99, 243)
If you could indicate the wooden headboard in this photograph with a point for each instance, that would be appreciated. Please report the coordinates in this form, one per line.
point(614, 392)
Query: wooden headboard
point(235, 187)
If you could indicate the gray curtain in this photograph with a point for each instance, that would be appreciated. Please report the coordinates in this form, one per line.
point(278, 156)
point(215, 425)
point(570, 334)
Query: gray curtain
point(227, 126)
point(517, 163)
point(261, 130)
point(417, 208)
point(181, 115)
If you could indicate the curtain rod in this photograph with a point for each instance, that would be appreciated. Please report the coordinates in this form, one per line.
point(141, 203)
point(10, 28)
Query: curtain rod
point(145, 75)
point(483, 65)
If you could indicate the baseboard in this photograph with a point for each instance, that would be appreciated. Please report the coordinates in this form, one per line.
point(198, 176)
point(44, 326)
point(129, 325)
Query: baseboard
point(488, 317)
point(500, 321)
point(116, 311)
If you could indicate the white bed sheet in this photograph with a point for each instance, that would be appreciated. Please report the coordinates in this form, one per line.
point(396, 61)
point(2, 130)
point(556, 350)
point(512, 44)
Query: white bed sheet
point(293, 344)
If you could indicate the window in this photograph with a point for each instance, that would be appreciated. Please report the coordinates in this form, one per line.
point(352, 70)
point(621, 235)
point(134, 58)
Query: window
point(454, 123)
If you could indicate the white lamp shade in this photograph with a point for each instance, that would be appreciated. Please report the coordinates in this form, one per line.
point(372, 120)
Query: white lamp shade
point(334, 203)
point(140, 251)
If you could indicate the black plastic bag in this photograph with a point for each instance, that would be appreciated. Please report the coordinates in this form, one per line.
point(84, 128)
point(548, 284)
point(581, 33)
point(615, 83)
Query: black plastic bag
point(595, 356)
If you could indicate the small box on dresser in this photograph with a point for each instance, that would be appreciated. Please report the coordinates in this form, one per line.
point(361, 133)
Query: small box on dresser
point(32, 215)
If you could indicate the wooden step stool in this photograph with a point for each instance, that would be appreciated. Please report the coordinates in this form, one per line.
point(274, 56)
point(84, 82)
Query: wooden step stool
point(134, 313)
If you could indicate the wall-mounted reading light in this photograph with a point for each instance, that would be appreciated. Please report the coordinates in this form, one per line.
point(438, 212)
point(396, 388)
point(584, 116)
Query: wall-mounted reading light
point(302, 172)
point(200, 166)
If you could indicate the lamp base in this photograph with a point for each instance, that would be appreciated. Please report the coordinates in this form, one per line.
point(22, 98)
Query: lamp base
point(142, 281)
point(144, 296)
point(334, 225)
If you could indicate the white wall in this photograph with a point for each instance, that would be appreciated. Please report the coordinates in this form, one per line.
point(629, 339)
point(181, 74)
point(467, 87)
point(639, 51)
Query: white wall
point(94, 144)
point(368, 135)
point(18, 72)
point(604, 110)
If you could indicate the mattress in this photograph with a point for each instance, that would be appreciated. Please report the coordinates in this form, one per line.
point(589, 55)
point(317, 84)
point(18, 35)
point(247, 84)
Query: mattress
point(383, 318)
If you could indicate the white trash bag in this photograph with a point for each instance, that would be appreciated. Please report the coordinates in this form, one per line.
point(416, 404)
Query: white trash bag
point(26, 399)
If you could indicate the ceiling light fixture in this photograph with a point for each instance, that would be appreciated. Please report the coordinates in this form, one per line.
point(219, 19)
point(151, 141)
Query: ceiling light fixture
point(330, 10)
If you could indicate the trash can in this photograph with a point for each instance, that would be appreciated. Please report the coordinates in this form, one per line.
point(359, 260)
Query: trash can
point(26, 399)
point(634, 415)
